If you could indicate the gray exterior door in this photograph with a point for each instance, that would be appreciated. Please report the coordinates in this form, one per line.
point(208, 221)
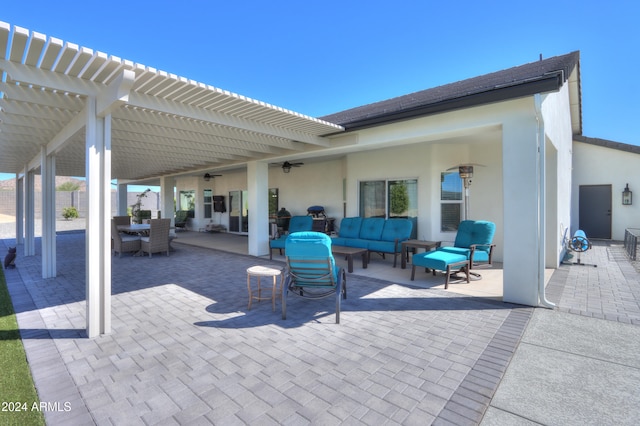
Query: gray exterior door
point(595, 210)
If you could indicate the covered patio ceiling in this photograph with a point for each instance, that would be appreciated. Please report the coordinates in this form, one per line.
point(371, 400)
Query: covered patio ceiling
point(161, 124)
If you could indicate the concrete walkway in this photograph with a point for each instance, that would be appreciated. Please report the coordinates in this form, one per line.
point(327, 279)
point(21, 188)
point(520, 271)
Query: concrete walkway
point(186, 350)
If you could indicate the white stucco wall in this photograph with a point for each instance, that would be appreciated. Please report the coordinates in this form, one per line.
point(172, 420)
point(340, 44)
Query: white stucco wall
point(597, 165)
point(501, 136)
point(559, 138)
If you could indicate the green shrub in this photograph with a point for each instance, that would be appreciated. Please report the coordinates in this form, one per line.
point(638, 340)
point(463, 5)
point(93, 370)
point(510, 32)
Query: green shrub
point(70, 213)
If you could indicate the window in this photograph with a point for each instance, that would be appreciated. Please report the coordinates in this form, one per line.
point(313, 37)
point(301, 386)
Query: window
point(208, 203)
point(390, 199)
point(273, 202)
point(450, 201)
point(187, 200)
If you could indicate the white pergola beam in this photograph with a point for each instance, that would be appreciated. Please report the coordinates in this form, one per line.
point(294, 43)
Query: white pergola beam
point(52, 80)
point(207, 115)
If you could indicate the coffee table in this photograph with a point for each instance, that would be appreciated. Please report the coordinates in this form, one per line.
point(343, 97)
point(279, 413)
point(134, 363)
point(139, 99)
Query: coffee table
point(414, 244)
point(349, 252)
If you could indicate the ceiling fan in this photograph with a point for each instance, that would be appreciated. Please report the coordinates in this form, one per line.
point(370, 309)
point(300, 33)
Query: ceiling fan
point(208, 177)
point(286, 166)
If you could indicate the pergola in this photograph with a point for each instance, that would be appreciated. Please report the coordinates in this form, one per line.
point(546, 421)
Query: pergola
point(70, 111)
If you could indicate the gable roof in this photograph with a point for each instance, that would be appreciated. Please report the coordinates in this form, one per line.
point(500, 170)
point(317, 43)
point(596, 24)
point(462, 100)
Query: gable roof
point(635, 149)
point(536, 77)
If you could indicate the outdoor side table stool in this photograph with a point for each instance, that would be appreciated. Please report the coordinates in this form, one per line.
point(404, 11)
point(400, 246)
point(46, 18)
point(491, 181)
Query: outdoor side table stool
point(259, 272)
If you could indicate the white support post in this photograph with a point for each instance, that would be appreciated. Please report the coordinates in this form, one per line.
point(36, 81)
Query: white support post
point(121, 199)
point(258, 189)
point(167, 188)
point(98, 234)
point(519, 162)
point(29, 210)
point(19, 209)
point(48, 175)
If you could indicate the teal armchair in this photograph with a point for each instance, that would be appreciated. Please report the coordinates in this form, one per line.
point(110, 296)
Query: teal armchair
point(296, 224)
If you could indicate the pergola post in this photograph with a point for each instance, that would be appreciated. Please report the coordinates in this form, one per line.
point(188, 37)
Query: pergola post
point(19, 209)
point(98, 242)
point(48, 176)
point(29, 210)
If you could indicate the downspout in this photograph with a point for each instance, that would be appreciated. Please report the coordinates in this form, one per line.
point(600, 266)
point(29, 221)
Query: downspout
point(542, 193)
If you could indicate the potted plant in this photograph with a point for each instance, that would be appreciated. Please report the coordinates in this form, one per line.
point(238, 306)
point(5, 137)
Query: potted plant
point(136, 209)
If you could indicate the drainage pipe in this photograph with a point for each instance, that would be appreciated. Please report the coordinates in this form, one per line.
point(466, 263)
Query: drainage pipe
point(542, 193)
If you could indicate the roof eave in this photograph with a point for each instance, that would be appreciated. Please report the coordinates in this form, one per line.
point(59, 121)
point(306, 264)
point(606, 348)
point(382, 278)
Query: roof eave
point(550, 82)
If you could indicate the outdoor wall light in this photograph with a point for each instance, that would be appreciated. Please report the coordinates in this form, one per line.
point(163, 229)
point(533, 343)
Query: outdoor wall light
point(627, 196)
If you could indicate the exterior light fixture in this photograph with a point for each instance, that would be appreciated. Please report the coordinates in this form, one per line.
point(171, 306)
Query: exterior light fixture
point(627, 196)
point(207, 177)
point(286, 166)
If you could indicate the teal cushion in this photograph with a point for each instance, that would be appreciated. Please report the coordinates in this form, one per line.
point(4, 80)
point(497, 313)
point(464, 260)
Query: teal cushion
point(300, 224)
point(437, 259)
point(475, 232)
point(310, 245)
point(384, 246)
point(396, 229)
point(371, 228)
point(350, 227)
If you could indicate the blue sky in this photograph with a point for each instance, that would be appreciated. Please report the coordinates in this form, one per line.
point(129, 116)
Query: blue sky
point(320, 57)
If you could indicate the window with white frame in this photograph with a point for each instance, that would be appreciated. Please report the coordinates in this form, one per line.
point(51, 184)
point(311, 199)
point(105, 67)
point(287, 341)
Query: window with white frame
point(208, 203)
point(451, 202)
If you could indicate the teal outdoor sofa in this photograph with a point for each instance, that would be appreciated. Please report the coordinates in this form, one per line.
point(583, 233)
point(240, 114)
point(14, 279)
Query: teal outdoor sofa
point(377, 235)
point(296, 224)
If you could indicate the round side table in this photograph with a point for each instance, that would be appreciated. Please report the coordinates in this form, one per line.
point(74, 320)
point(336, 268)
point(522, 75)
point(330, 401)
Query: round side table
point(259, 272)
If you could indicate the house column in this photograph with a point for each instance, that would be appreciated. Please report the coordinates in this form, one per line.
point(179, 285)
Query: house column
point(98, 241)
point(167, 187)
point(521, 218)
point(29, 210)
point(121, 200)
point(258, 189)
point(48, 175)
point(19, 209)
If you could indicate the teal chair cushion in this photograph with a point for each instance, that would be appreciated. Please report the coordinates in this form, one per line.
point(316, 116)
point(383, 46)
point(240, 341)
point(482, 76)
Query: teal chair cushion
point(396, 229)
point(371, 228)
point(350, 227)
point(300, 224)
point(301, 246)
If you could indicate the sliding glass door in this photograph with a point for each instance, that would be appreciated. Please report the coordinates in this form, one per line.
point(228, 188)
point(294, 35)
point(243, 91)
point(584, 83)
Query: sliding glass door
point(239, 212)
point(390, 199)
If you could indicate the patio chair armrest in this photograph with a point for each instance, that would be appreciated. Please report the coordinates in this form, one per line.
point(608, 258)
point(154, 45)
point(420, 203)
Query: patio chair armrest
point(473, 249)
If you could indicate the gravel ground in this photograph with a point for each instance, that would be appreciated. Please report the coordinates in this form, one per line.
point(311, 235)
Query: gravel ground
point(8, 229)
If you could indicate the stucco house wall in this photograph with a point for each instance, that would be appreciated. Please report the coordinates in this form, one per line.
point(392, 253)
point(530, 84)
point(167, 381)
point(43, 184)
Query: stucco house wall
point(599, 165)
point(556, 114)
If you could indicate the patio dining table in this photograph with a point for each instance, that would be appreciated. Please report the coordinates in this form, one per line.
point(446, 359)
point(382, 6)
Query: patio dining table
point(135, 228)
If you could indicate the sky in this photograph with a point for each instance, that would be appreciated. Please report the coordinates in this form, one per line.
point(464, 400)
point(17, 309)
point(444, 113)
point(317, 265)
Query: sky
point(321, 57)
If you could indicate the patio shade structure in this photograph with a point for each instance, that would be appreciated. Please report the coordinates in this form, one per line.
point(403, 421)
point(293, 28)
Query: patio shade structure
point(70, 111)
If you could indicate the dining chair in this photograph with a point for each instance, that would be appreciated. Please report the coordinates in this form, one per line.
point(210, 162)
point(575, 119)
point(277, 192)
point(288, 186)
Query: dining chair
point(158, 239)
point(123, 243)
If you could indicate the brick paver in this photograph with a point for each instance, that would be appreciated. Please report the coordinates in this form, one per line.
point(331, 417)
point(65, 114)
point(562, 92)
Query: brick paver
point(185, 349)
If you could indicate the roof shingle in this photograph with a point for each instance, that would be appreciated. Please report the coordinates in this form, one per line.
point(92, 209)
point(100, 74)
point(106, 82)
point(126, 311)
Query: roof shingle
point(469, 92)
